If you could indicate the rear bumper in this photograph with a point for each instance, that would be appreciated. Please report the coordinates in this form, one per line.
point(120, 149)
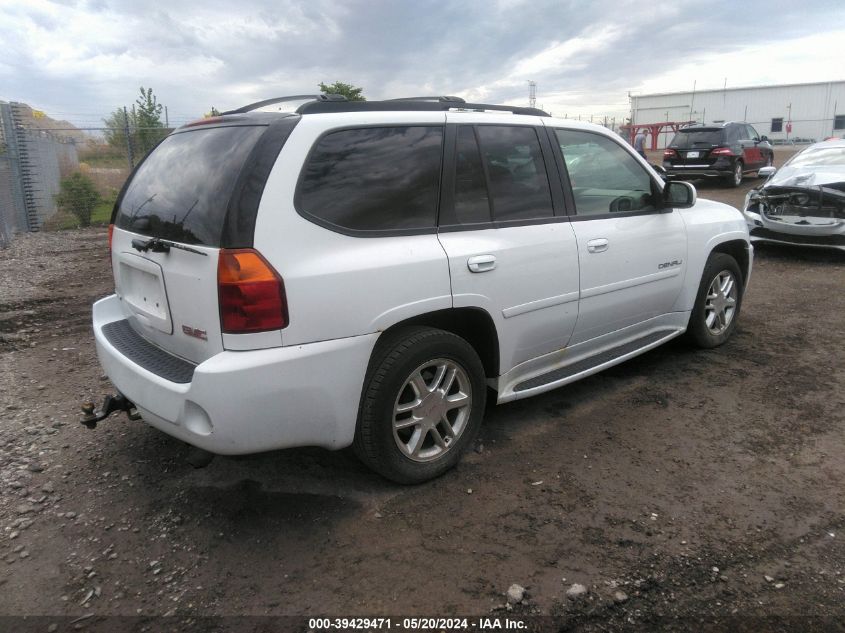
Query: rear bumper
point(249, 401)
point(696, 173)
point(720, 168)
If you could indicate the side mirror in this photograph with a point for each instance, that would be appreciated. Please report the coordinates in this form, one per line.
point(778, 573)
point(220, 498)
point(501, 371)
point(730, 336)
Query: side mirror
point(765, 172)
point(764, 138)
point(678, 194)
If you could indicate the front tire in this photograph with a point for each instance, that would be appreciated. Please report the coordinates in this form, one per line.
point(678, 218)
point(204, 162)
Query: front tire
point(717, 303)
point(422, 405)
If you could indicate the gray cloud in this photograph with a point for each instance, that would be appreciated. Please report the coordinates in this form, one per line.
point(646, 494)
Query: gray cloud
point(81, 60)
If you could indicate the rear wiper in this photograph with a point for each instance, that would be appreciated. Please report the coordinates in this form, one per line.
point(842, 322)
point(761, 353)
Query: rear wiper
point(158, 245)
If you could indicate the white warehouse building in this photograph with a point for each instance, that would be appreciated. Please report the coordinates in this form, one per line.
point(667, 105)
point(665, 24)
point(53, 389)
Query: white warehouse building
point(800, 112)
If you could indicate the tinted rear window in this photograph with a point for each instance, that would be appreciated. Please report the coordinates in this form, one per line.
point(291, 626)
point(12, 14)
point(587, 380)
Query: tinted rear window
point(516, 172)
point(181, 191)
point(374, 179)
point(697, 138)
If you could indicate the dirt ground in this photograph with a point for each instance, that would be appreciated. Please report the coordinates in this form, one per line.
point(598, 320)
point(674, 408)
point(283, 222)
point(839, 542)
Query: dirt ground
point(685, 490)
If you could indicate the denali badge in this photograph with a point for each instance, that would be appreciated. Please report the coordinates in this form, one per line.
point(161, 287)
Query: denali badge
point(195, 332)
point(676, 262)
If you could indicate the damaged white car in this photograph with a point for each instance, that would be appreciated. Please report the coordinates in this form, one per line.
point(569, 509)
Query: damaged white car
point(803, 202)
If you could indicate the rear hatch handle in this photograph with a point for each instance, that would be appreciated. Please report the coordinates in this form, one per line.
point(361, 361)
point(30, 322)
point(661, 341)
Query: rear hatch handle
point(158, 245)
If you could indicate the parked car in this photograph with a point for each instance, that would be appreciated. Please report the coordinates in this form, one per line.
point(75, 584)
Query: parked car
point(803, 202)
point(727, 151)
point(360, 273)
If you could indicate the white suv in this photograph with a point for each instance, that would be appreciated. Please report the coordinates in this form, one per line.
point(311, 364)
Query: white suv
point(360, 273)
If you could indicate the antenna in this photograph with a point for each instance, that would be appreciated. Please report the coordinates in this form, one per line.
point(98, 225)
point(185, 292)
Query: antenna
point(532, 94)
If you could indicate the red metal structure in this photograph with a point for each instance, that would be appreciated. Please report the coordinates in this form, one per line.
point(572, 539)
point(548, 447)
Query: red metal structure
point(654, 129)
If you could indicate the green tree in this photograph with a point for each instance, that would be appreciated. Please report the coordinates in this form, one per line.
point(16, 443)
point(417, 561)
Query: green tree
point(115, 133)
point(144, 122)
point(78, 195)
point(352, 93)
point(149, 126)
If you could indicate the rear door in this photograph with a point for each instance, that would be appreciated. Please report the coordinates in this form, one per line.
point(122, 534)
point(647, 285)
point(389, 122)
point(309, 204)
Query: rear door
point(632, 256)
point(511, 249)
point(181, 194)
point(751, 153)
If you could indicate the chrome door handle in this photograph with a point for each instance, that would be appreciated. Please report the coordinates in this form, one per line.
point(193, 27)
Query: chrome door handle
point(481, 263)
point(597, 246)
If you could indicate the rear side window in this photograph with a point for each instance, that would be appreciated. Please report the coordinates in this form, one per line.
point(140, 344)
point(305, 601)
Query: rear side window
point(374, 179)
point(696, 138)
point(518, 184)
point(734, 134)
point(181, 191)
point(472, 204)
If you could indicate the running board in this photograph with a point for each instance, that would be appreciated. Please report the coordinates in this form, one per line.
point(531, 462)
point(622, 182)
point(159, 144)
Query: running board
point(595, 363)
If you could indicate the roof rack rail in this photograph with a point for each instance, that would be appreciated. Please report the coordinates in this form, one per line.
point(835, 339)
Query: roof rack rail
point(266, 102)
point(444, 98)
point(417, 104)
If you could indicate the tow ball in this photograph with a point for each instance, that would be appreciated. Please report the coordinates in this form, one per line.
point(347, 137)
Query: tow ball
point(111, 404)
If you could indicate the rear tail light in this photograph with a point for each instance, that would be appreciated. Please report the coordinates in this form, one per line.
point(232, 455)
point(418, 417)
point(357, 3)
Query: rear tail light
point(669, 153)
point(721, 151)
point(252, 294)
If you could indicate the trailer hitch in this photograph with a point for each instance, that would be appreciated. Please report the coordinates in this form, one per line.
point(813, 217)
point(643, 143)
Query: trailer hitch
point(111, 403)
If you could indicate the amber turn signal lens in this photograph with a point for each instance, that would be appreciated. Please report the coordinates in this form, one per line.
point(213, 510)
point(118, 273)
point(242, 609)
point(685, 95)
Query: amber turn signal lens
point(251, 293)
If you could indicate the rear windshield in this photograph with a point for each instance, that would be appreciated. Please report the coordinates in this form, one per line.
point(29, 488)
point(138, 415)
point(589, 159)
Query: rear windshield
point(697, 138)
point(182, 190)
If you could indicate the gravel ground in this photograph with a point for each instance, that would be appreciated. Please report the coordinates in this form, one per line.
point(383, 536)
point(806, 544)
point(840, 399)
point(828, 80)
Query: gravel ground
point(682, 490)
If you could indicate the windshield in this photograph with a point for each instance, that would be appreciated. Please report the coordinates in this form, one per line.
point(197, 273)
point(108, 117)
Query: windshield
point(181, 191)
point(819, 156)
point(696, 138)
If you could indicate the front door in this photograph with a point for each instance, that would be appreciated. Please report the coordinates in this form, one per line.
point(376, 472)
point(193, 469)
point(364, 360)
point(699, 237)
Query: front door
point(509, 252)
point(632, 255)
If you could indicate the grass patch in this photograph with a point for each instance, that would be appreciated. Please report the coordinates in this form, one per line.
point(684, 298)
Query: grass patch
point(110, 162)
point(102, 212)
point(100, 216)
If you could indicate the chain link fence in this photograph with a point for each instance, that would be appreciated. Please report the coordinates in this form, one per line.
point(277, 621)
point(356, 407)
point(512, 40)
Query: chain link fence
point(32, 163)
point(36, 154)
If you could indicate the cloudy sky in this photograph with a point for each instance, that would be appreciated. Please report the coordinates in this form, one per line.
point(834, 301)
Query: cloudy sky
point(80, 60)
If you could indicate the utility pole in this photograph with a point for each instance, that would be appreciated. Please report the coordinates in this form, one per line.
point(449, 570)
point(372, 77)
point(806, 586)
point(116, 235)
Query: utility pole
point(128, 139)
point(166, 118)
point(692, 100)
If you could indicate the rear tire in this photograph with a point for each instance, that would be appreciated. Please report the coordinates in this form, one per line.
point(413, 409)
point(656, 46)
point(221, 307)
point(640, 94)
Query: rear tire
point(422, 404)
point(717, 303)
point(735, 179)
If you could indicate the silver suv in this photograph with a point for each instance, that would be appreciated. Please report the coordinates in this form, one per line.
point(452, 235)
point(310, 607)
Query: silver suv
point(366, 273)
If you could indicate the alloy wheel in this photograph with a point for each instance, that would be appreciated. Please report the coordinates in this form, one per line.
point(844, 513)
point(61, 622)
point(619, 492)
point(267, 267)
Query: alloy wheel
point(432, 409)
point(720, 305)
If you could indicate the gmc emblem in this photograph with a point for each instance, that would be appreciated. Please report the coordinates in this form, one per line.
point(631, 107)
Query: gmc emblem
point(195, 332)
